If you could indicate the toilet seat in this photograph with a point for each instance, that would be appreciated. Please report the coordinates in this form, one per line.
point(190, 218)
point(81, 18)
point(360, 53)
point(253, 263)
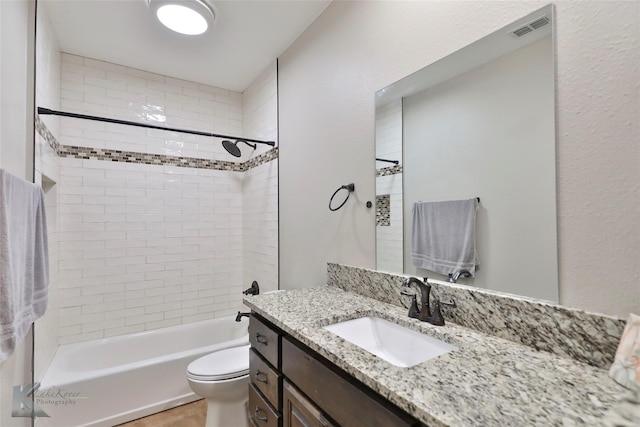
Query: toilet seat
point(220, 365)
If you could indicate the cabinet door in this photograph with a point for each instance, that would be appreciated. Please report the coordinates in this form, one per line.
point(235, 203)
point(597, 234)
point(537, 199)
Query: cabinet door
point(298, 411)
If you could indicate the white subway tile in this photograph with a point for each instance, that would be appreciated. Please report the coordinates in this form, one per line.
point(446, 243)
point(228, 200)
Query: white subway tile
point(122, 243)
point(162, 324)
point(161, 308)
point(165, 290)
point(124, 261)
point(211, 308)
point(144, 268)
point(123, 331)
point(71, 301)
point(146, 318)
point(144, 301)
point(173, 314)
point(184, 296)
point(102, 307)
point(196, 318)
point(124, 295)
point(124, 312)
point(102, 325)
point(164, 274)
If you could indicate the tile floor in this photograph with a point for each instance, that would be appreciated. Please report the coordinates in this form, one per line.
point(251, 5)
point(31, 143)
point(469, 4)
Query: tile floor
point(190, 415)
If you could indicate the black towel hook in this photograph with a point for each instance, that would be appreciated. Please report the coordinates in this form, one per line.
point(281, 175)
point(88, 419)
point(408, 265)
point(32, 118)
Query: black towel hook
point(350, 188)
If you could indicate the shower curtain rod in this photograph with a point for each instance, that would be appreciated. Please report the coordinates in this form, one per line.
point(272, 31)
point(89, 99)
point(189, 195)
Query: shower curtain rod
point(46, 111)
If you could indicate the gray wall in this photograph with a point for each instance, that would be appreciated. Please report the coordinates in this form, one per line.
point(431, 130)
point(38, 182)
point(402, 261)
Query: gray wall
point(327, 81)
point(489, 133)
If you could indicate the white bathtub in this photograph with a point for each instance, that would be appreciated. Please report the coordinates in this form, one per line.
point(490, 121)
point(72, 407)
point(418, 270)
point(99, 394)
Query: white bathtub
point(110, 381)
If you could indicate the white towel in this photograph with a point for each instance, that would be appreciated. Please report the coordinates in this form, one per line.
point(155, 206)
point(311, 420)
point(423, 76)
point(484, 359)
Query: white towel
point(443, 238)
point(24, 260)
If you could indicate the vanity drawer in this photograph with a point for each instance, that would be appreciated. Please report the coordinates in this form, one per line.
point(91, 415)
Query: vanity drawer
point(262, 415)
point(264, 378)
point(265, 341)
point(343, 401)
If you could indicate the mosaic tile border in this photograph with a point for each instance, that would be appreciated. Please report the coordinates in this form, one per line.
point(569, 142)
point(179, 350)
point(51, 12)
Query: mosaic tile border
point(391, 170)
point(89, 153)
point(576, 334)
point(383, 210)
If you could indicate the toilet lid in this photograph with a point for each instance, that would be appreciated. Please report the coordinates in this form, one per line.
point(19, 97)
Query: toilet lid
point(221, 365)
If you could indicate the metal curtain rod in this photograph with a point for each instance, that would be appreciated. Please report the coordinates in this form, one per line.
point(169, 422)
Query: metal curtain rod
point(46, 111)
point(395, 162)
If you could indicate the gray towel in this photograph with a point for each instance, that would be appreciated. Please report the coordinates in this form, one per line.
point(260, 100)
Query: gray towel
point(443, 237)
point(24, 260)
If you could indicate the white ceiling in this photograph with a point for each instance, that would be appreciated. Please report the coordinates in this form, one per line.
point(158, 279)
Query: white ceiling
point(246, 37)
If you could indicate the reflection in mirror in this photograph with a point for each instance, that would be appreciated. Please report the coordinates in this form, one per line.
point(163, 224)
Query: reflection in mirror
point(148, 229)
point(478, 123)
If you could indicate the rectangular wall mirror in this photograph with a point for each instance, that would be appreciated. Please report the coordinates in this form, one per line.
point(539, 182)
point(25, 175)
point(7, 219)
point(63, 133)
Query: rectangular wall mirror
point(477, 123)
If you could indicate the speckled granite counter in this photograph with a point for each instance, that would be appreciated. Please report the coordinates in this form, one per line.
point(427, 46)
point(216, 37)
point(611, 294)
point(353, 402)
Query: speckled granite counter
point(487, 381)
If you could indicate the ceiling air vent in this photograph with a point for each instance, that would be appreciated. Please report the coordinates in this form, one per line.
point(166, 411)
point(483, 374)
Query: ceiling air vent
point(522, 31)
point(531, 26)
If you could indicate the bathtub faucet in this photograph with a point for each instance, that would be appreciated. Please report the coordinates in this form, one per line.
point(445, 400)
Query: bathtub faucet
point(241, 315)
point(253, 290)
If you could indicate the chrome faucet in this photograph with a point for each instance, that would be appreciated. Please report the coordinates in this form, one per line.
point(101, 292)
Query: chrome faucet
point(453, 277)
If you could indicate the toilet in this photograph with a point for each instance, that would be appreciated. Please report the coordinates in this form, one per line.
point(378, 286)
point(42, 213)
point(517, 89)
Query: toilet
point(222, 378)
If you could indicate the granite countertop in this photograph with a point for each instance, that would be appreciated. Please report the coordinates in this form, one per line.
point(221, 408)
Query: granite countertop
point(486, 381)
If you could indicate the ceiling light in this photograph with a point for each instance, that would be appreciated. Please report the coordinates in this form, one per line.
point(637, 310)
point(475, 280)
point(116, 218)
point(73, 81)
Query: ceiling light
point(191, 17)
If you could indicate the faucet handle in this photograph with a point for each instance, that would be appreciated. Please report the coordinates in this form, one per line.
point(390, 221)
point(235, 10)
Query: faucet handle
point(253, 290)
point(450, 303)
point(414, 312)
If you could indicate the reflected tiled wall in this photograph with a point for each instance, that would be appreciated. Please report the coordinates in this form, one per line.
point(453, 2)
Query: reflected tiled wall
point(389, 246)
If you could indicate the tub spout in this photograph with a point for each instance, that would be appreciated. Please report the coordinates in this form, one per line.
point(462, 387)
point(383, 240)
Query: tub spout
point(453, 277)
point(241, 315)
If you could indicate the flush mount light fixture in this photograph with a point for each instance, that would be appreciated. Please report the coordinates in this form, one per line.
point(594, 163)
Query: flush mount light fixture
point(191, 17)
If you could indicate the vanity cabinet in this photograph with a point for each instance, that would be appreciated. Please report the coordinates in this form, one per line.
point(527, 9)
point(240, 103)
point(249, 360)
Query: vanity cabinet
point(298, 411)
point(293, 386)
point(265, 388)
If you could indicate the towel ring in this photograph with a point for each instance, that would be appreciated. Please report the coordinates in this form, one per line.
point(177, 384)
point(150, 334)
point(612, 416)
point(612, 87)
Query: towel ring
point(350, 188)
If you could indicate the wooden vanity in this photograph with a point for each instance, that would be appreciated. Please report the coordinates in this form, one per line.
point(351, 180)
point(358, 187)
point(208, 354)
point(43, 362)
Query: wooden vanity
point(291, 385)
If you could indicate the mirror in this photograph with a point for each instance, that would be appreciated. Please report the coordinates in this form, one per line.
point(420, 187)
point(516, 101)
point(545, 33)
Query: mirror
point(479, 123)
point(148, 229)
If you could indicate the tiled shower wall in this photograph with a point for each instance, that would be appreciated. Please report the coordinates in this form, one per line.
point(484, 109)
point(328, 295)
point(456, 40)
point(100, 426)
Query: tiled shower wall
point(47, 168)
point(144, 246)
point(260, 192)
point(389, 244)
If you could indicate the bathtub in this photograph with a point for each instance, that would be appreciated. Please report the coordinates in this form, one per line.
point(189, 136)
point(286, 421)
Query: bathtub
point(110, 381)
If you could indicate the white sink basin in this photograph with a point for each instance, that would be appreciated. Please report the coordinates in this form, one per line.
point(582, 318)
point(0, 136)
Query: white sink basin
point(396, 344)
